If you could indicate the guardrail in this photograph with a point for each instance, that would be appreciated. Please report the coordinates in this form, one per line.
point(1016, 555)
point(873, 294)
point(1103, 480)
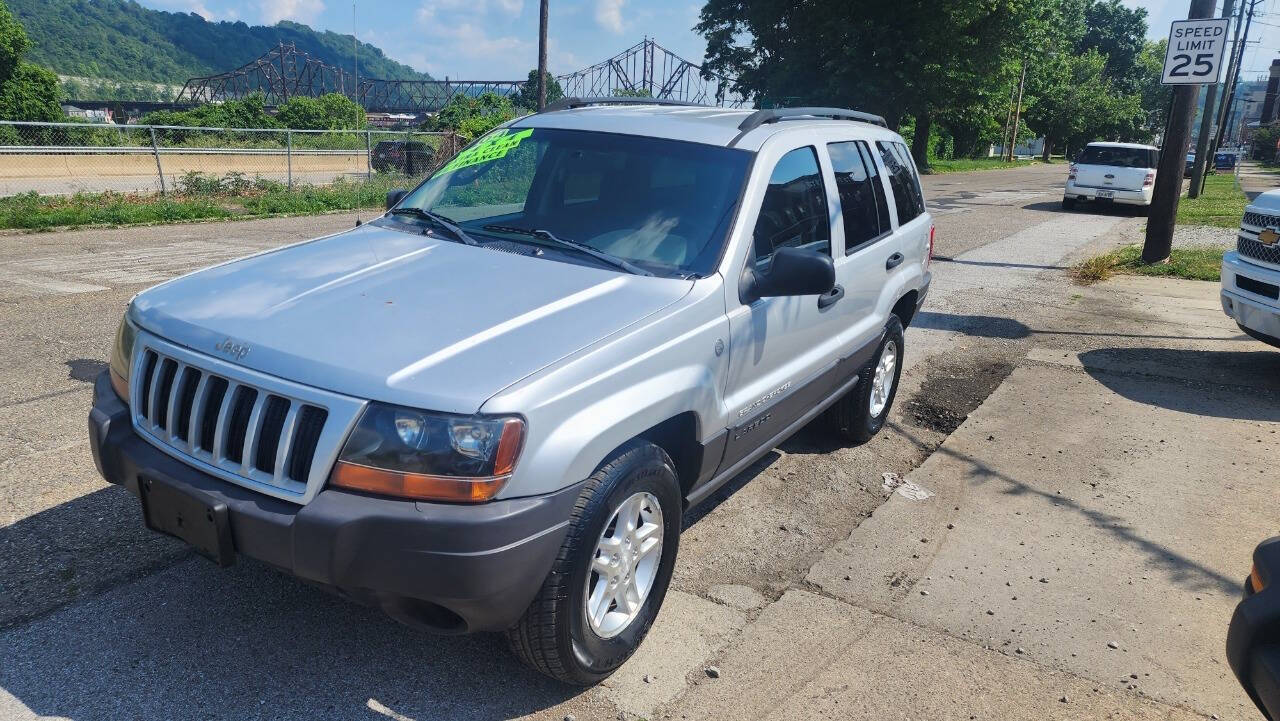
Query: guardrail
point(65, 158)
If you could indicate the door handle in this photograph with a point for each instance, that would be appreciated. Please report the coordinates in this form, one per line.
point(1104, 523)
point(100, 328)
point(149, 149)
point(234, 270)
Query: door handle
point(830, 297)
point(894, 261)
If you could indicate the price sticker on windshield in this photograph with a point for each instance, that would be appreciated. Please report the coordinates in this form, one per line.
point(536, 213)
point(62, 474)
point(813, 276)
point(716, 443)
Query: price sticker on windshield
point(491, 147)
point(1195, 51)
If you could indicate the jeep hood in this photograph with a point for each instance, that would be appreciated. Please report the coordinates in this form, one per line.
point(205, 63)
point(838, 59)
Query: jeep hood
point(398, 317)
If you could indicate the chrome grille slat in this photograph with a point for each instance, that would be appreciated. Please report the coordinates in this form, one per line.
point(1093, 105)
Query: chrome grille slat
point(155, 388)
point(171, 403)
point(196, 418)
point(285, 443)
point(224, 419)
point(251, 433)
point(264, 433)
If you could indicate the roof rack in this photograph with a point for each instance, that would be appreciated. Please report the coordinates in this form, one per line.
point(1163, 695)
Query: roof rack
point(773, 115)
point(571, 103)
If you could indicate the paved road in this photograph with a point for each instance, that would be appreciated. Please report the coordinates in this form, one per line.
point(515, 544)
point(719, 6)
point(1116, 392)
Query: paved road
point(99, 619)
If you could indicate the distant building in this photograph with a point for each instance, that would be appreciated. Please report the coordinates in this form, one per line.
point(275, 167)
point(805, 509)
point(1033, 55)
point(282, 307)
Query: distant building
point(391, 120)
point(93, 116)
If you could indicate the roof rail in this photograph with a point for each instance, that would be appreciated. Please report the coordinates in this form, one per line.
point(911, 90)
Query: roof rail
point(773, 115)
point(571, 103)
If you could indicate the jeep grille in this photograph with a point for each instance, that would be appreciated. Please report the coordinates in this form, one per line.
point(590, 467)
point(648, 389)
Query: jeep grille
point(266, 438)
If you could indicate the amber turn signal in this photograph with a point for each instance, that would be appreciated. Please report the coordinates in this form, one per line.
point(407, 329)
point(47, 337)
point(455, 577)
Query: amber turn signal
point(120, 385)
point(415, 485)
point(1255, 579)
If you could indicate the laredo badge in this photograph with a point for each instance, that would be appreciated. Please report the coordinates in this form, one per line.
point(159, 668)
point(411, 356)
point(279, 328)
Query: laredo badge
point(1268, 236)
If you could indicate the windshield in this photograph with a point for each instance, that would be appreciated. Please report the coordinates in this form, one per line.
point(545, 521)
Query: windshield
point(662, 205)
point(1118, 157)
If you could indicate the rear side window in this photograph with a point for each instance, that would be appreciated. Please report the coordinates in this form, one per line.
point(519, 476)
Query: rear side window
point(862, 204)
point(1118, 157)
point(794, 211)
point(902, 180)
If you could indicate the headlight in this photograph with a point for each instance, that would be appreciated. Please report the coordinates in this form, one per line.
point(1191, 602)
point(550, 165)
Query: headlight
point(122, 358)
point(432, 456)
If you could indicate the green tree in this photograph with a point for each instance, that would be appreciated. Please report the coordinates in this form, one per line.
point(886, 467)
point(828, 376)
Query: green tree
point(31, 93)
point(470, 116)
point(13, 43)
point(1072, 98)
point(332, 111)
point(27, 92)
point(528, 95)
point(899, 58)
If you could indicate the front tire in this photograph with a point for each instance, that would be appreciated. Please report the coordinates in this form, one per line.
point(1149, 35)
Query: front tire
point(611, 574)
point(861, 413)
point(1068, 203)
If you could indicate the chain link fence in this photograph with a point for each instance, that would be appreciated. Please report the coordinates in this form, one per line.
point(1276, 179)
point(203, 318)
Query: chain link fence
point(69, 158)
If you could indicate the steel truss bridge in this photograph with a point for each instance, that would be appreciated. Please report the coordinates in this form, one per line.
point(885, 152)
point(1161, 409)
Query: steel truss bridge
point(285, 72)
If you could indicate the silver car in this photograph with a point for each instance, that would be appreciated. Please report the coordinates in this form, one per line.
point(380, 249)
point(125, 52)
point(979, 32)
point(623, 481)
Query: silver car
point(489, 408)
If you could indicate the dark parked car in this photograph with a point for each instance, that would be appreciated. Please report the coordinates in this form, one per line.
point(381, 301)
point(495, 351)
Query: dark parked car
point(410, 157)
point(1253, 640)
point(1224, 161)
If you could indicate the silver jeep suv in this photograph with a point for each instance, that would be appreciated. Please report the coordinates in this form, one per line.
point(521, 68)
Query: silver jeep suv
point(489, 408)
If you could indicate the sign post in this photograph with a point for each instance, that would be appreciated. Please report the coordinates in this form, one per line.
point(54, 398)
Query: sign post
point(1194, 58)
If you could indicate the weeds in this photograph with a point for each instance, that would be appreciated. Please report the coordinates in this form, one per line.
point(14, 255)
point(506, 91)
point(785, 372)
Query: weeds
point(196, 196)
point(1198, 262)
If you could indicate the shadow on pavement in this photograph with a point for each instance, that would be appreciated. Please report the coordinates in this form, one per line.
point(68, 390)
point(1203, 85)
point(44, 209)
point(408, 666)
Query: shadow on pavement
point(1087, 208)
point(1256, 371)
point(1182, 570)
point(76, 550)
point(989, 326)
point(195, 641)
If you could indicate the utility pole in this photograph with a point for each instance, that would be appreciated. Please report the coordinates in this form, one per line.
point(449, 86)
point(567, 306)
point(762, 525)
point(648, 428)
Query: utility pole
point(355, 54)
point(543, 14)
point(1008, 120)
point(1017, 114)
point(1237, 59)
point(1164, 202)
point(1206, 121)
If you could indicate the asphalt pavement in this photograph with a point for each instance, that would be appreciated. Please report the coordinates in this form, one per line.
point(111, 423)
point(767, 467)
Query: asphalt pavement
point(102, 619)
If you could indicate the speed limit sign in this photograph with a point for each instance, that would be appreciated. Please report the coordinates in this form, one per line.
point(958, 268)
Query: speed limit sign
point(1195, 51)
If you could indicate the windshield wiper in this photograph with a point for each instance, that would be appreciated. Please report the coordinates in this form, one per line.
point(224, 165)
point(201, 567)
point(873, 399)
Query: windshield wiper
point(438, 220)
point(581, 247)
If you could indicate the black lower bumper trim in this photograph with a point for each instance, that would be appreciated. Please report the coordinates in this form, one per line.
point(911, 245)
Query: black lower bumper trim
point(482, 564)
point(1253, 638)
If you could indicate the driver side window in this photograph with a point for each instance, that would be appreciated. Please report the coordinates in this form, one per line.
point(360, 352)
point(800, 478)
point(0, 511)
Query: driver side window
point(794, 211)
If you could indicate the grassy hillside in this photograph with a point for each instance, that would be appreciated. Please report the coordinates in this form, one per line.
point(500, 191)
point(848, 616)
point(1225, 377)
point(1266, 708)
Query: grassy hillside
point(123, 41)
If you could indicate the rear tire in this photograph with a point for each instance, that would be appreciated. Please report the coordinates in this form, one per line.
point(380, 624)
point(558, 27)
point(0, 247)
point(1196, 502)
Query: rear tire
point(861, 413)
point(555, 636)
point(1068, 203)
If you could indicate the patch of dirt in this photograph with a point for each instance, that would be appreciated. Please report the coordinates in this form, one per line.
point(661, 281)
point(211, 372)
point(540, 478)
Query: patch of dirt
point(951, 391)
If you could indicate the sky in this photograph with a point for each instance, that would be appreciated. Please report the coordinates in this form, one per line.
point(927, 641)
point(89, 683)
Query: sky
point(479, 39)
point(1264, 34)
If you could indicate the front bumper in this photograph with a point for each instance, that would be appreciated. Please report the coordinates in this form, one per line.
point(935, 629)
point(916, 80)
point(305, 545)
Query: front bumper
point(448, 568)
point(1256, 314)
point(1253, 639)
point(1124, 197)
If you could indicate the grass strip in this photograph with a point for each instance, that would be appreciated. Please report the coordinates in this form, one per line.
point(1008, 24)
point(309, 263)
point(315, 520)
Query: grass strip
point(1221, 204)
point(196, 198)
point(1196, 262)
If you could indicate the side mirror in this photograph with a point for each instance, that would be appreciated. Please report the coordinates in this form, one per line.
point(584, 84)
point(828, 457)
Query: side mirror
point(395, 196)
point(792, 272)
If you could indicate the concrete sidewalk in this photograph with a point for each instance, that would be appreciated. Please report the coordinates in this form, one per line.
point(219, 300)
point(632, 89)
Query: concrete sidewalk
point(1083, 543)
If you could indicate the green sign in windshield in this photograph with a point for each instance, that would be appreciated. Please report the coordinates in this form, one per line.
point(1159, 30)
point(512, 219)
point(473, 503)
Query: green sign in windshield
point(490, 148)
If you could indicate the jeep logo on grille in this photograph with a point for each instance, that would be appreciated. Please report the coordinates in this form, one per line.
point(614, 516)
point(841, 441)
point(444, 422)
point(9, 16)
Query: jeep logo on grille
point(1268, 236)
point(233, 349)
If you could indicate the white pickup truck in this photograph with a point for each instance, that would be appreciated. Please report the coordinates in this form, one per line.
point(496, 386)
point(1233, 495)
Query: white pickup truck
point(1251, 273)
